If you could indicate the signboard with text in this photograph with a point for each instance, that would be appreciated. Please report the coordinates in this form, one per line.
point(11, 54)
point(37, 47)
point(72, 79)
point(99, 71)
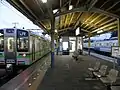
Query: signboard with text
point(115, 51)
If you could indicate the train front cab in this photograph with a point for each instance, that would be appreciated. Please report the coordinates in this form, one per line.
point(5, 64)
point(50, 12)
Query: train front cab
point(13, 45)
point(2, 59)
point(7, 48)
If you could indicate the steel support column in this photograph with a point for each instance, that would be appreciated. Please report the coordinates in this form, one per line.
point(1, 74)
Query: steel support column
point(52, 41)
point(119, 31)
point(76, 43)
point(89, 43)
point(58, 41)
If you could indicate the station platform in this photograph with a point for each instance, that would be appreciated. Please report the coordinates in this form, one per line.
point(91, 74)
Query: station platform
point(69, 74)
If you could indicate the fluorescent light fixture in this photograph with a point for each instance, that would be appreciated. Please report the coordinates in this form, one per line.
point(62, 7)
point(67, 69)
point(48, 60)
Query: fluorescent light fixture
point(70, 7)
point(86, 35)
point(54, 11)
point(60, 39)
point(55, 30)
point(77, 31)
point(94, 31)
point(1, 34)
point(44, 1)
point(100, 31)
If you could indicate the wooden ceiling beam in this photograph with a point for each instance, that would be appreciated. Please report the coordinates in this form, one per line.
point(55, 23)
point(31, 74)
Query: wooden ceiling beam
point(102, 23)
point(97, 10)
point(83, 9)
point(104, 3)
point(113, 5)
point(78, 20)
point(39, 4)
point(91, 5)
point(88, 19)
point(71, 19)
point(102, 28)
point(66, 19)
point(28, 8)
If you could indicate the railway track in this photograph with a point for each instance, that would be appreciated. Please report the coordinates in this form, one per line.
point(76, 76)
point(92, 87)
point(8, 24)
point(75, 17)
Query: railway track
point(6, 76)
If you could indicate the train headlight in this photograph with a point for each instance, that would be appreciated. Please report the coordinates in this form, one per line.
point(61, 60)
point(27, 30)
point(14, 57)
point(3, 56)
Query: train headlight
point(24, 55)
point(8, 65)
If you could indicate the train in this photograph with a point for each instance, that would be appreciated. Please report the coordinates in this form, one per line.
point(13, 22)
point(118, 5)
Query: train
point(102, 46)
point(19, 47)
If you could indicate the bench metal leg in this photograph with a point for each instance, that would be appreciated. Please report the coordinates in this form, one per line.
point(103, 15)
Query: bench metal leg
point(108, 87)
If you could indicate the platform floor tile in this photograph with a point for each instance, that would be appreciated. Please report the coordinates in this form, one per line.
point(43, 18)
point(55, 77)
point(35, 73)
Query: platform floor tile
point(69, 74)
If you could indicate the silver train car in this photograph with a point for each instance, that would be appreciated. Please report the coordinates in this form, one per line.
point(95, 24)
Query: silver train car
point(102, 45)
point(21, 47)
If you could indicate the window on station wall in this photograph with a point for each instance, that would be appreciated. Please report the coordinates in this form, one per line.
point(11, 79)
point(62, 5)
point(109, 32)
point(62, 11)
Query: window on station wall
point(22, 41)
point(1, 40)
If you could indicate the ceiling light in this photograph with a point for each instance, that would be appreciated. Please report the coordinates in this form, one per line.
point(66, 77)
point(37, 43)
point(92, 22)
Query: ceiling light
point(54, 11)
point(44, 1)
point(1, 34)
point(70, 7)
point(77, 31)
point(60, 39)
point(56, 30)
point(100, 31)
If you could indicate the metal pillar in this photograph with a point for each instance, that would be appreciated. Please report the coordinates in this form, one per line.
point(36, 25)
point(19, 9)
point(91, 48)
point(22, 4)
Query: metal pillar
point(82, 43)
point(89, 43)
point(52, 41)
point(118, 31)
point(76, 43)
point(58, 42)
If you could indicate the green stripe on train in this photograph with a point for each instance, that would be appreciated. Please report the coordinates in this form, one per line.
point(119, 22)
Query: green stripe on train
point(1, 56)
point(30, 55)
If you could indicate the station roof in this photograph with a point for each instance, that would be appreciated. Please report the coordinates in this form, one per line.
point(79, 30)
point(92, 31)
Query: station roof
point(91, 15)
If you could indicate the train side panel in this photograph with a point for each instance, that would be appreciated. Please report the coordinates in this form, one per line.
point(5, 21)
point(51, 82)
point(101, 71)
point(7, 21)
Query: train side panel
point(2, 59)
point(37, 48)
point(22, 43)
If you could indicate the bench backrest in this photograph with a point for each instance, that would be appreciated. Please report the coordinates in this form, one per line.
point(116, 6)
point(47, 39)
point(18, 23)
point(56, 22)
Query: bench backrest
point(113, 75)
point(97, 65)
point(103, 70)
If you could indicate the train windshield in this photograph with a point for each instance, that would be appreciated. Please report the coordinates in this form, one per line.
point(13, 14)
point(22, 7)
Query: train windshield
point(1, 40)
point(22, 41)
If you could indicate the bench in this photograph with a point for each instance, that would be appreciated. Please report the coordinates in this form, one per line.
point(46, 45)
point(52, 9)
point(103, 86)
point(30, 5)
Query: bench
point(101, 72)
point(95, 68)
point(75, 55)
point(110, 79)
point(115, 87)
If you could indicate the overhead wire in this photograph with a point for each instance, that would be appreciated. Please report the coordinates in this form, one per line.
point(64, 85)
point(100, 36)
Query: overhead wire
point(3, 3)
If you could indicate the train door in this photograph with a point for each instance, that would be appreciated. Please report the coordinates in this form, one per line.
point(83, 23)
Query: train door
point(10, 44)
point(33, 49)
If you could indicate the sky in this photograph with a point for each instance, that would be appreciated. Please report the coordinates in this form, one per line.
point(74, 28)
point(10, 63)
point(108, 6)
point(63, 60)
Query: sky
point(9, 15)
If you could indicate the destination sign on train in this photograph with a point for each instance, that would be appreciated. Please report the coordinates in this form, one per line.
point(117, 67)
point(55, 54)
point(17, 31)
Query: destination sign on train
point(22, 33)
point(10, 30)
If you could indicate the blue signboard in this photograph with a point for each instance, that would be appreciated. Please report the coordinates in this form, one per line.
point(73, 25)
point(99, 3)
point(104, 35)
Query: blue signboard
point(22, 33)
point(1, 31)
point(9, 30)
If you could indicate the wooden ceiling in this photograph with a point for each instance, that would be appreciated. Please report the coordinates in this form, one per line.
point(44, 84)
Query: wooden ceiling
point(91, 15)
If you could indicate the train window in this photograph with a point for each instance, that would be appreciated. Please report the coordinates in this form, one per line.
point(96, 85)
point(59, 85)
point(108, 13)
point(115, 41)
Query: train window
point(1, 40)
point(10, 44)
point(22, 41)
point(22, 44)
